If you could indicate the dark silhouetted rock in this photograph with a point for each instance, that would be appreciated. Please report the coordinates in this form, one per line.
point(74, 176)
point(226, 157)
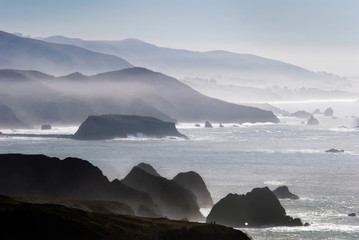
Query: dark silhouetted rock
point(194, 182)
point(8, 118)
point(121, 126)
point(334, 150)
point(259, 207)
point(329, 112)
point(46, 127)
point(50, 221)
point(208, 125)
point(312, 121)
point(352, 214)
point(148, 168)
point(316, 111)
point(107, 207)
point(71, 178)
point(301, 114)
point(197, 125)
point(221, 125)
point(283, 192)
point(175, 201)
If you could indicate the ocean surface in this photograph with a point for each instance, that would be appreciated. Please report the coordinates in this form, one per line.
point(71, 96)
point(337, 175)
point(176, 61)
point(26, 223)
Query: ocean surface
point(236, 159)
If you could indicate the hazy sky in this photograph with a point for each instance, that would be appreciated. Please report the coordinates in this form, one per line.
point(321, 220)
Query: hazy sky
point(320, 35)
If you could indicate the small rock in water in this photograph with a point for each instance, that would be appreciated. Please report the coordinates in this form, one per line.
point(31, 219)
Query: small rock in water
point(208, 124)
point(312, 121)
point(352, 214)
point(197, 125)
point(220, 125)
point(334, 150)
point(46, 127)
point(328, 112)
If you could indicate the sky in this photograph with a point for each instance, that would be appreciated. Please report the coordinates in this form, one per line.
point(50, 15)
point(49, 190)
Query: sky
point(320, 35)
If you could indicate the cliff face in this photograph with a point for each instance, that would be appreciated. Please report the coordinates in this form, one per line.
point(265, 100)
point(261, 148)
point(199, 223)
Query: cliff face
point(72, 178)
point(17, 221)
point(122, 126)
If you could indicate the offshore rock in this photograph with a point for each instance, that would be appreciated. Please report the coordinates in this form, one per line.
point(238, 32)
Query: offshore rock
point(282, 192)
point(208, 125)
point(260, 207)
point(121, 126)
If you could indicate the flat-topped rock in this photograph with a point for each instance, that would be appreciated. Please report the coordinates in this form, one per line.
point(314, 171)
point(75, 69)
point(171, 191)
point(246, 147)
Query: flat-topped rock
point(334, 150)
point(260, 207)
point(46, 127)
point(121, 126)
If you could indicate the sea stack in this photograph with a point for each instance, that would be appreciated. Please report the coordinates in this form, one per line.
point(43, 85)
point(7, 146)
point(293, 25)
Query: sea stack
point(194, 182)
point(312, 121)
point(260, 207)
point(208, 125)
point(329, 112)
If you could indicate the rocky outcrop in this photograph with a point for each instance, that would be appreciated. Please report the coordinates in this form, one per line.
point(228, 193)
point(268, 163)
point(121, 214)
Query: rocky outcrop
point(312, 121)
point(148, 168)
point(329, 112)
point(208, 125)
point(46, 127)
point(71, 178)
point(301, 114)
point(334, 150)
point(194, 182)
point(38, 221)
point(175, 201)
point(259, 207)
point(282, 192)
point(121, 126)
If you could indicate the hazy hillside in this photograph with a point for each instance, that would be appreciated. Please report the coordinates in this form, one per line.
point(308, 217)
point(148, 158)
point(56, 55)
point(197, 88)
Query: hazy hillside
point(58, 59)
point(35, 97)
point(225, 67)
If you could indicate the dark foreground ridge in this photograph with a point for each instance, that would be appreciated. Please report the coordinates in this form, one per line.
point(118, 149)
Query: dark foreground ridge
point(121, 126)
point(50, 221)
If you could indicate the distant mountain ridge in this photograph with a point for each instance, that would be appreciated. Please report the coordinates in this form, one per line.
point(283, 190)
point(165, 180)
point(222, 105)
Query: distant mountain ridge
point(226, 67)
point(133, 91)
point(58, 59)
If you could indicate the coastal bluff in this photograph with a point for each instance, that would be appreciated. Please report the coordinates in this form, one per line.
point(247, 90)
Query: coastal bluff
point(102, 127)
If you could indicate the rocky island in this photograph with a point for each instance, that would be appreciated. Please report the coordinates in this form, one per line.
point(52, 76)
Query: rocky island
point(103, 127)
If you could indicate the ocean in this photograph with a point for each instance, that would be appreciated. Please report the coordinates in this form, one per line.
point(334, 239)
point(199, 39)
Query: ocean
point(236, 159)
